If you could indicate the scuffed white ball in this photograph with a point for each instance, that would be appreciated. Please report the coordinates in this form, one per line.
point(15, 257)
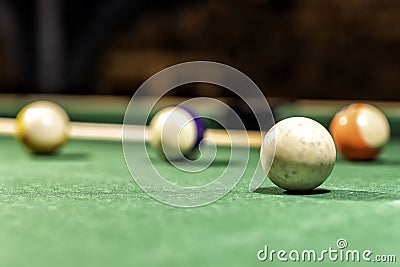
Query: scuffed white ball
point(304, 156)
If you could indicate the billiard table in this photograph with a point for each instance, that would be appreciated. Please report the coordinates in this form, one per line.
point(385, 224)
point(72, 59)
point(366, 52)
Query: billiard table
point(81, 207)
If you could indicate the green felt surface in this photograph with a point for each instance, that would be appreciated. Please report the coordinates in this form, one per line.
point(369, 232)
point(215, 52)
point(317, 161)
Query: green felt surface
point(104, 109)
point(87, 109)
point(82, 208)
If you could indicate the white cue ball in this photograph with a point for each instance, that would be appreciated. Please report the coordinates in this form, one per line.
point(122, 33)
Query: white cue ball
point(304, 154)
point(42, 126)
point(176, 132)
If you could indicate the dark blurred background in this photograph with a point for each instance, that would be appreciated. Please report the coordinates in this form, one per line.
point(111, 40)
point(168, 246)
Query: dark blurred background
point(293, 49)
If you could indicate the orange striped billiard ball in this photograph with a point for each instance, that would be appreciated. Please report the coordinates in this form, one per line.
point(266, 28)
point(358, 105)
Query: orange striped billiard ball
point(360, 131)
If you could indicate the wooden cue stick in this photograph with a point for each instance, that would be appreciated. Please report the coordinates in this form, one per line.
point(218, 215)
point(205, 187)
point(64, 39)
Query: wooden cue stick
point(103, 131)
